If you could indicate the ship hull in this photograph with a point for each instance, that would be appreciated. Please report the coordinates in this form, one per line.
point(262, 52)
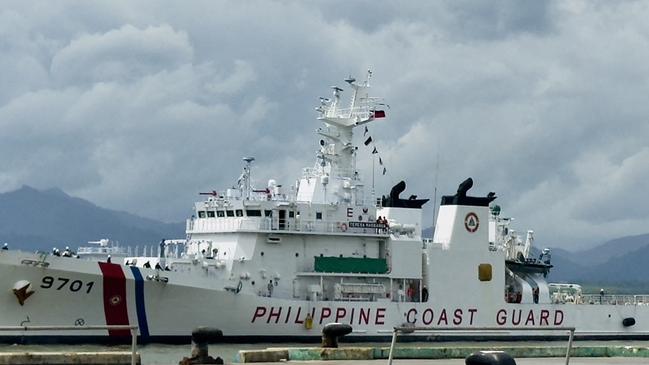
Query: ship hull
point(70, 292)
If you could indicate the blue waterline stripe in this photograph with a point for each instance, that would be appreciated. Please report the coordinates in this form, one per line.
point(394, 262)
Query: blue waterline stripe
point(139, 302)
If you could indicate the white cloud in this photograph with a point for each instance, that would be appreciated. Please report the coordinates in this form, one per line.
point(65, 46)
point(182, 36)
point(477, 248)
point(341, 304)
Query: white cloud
point(121, 54)
point(138, 106)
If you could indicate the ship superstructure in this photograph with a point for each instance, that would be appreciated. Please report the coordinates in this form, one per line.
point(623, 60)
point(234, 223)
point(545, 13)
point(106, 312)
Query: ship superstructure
point(320, 239)
point(278, 262)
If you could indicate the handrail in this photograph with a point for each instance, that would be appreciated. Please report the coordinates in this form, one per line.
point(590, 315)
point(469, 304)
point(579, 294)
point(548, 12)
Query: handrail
point(614, 299)
point(296, 225)
point(406, 329)
point(133, 330)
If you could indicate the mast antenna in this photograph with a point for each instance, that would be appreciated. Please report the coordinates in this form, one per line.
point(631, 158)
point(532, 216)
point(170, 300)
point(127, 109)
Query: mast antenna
point(435, 192)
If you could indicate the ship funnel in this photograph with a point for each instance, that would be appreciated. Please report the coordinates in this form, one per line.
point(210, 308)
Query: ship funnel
point(463, 219)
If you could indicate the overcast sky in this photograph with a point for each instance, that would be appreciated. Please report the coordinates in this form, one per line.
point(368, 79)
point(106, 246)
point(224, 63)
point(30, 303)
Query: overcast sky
point(138, 106)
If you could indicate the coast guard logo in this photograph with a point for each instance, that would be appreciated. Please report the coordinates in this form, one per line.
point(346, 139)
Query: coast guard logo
point(471, 222)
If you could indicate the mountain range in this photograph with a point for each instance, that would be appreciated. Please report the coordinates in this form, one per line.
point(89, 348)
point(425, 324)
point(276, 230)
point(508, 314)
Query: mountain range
point(621, 260)
point(32, 219)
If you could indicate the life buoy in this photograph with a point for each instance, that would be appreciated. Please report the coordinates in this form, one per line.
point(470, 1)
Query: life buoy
point(343, 227)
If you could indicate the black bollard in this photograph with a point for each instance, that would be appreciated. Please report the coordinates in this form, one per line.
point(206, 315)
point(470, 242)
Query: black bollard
point(201, 337)
point(332, 331)
point(490, 358)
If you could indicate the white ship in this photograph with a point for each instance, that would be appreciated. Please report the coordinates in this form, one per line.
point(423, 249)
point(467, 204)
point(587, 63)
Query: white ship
point(278, 263)
point(102, 249)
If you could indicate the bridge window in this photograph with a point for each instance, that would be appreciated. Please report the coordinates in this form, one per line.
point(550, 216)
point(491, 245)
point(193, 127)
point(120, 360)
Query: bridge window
point(318, 215)
point(253, 213)
point(210, 214)
point(268, 213)
point(291, 214)
point(229, 213)
point(201, 214)
point(220, 213)
point(239, 212)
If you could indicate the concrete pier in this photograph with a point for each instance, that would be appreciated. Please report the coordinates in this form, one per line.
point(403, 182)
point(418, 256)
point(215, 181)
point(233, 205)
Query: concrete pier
point(523, 361)
point(439, 352)
point(68, 358)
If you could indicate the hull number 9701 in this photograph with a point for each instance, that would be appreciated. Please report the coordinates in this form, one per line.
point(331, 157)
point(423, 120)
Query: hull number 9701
point(65, 283)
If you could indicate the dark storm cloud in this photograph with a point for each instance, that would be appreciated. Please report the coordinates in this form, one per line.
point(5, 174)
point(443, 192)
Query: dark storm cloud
point(138, 106)
point(462, 20)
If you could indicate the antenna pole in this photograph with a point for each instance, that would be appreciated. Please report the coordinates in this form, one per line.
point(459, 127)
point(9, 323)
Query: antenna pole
point(373, 159)
point(435, 193)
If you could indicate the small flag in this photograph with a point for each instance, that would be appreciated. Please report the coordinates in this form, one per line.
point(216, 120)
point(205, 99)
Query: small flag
point(375, 151)
point(384, 170)
point(366, 130)
point(368, 140)
point(380, 161)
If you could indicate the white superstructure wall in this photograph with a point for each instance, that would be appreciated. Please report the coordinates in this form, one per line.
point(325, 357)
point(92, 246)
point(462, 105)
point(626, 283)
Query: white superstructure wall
point(460, 257)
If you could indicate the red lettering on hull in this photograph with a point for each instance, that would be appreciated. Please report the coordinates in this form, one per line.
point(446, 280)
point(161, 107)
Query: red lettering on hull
point(442, 317)
point(530, 318)
point(533, 318)
point(274, 314)
point(457, 317)
point(513, 317)
point(259, 312)
point(298, 319)
point(324, 314)
point(340, 314)
point(544, 317)
point(380, 316)
point(473, 311)
point(364, 316)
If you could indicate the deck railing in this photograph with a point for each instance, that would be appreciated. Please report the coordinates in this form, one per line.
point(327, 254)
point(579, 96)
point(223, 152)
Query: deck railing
point(132, 329)
point(616, 299)
point(397, 330)
point(283, 225)
point(101, 250)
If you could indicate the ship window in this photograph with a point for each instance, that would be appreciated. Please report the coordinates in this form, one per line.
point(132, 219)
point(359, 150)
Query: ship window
point(318, 215)
point(484, 272)
point(239, 213)
point(220, 213)
point(201, 214)
point(210, 214)
point(268, 213)
point(291, 214)
point(253, 213)
point(230, 213)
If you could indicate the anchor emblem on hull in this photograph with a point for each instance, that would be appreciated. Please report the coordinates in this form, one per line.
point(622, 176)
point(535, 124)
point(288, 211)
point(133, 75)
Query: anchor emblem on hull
point(22, 291)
